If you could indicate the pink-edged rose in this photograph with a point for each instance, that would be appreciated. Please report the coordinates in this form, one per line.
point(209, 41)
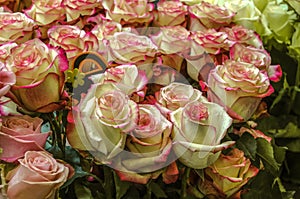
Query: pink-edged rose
point(149, 146)
point(105, 28)
point(77, 8)
point(239, 87)
point(39, 76)
point(20, 134)
point(15, 27)
point(126, 47)
point(172, 39)
point(170, 13)
point(212, 41)
point(230, 172)
point(260, 58)
point(45, 12)
point(7, 79)
point(101, 120)
point(176, 95)
point(72, 39)
point(39, 175)
point(196, 135)
point(129, 12)
point(5, 50)
point(240, 34)
point(128, 78)
point(210, 15)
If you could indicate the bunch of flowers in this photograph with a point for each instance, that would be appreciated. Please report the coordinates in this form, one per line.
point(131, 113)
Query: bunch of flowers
point(145, 99)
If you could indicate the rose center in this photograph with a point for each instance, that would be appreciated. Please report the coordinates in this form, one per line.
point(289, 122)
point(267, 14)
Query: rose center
point(197, 111)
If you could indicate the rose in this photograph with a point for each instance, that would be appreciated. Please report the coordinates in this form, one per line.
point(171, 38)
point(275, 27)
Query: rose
point(196, 135)
point(294, 48)
point(193, 2)
point(230, 172)
point(280, 20)
point(260, 58)
point(39, 175)
point(127, 78)
point(105, 28)
point(248, 15)
point(7, 79)
point(20, 134)
point(72, 39)
point(101, 121)
point(39, 76)
point(77, 8)
point(176, 95)
point(5, 50)
point(239, 34)
point(210, 15)
point(170, 13)
point(129, 12)
point(149, 146)
point(238, 86)
point(125, 47)
point(45, 12)
point(15, 27)
point(172, 39)
point(212, 41)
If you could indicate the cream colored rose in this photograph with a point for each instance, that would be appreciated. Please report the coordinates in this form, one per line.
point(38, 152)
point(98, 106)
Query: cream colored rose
point(7, 79)
point(39, 76)
point(105, 28)
point(101, 121)
point(38, 176)
point(210, 15)
point(177, 95)
point(45, 12)
point(77, 8)
point(125, 47)
point(196, 135)
point(238, 86)
point(72, 39)
point(5, 50)
point(15, 27)
point(170, 13)
point(129, 12)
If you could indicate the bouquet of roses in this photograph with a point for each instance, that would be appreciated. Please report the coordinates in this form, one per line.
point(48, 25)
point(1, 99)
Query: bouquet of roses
point(149, 99)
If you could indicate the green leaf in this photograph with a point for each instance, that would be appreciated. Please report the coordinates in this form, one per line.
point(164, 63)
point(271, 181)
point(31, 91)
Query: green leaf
point(82, 192)
point(296, 105)
point(279, 152)
point(247, 143)
point(291, 130)
point(78, 174)
point(266, 153)
point(156, 189)
point(121, 186)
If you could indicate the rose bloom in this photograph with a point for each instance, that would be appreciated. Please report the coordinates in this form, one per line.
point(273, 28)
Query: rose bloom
point(72, 39)
point(39, 175)
point(280, 20)
point(238, 86)
point(5, 50)
point(125, 47)
point(176, 95)
point(210, 15)
point(242, 35)
point(149, 146)
point(196, 135)
point(260, 58)
point(106, 29)
point(77, 8)
point(128, 78)
point(212, 41)
point(129, 12)
point(19, 134)
point(15, 27)
point(230, 172)
point(101, 120)
point(45, 12)
point(39, 76)
point(7, 79)
point(170, 13)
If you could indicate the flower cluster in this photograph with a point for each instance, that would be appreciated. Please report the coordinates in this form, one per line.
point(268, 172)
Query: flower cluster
point(147, 90)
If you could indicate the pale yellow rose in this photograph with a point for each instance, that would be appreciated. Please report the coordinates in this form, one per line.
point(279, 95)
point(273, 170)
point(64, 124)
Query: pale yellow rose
point(196, 135)
point(170, 13)
point(15, 27)
point(38, 176)
point(239, 87)
point(45, 12)
point(5, 50)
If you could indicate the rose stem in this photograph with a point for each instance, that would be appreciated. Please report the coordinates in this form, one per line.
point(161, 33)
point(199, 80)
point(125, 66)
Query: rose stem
point(184, 182)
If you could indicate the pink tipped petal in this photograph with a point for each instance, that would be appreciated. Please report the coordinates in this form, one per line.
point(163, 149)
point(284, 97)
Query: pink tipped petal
point(275, 73)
